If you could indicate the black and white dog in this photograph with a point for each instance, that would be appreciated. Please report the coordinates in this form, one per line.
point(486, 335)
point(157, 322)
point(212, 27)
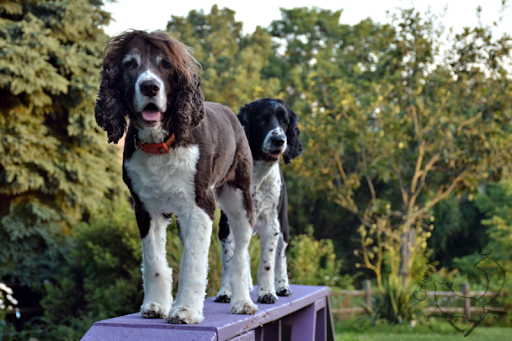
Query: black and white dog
point(271, 129)
point(180, 155)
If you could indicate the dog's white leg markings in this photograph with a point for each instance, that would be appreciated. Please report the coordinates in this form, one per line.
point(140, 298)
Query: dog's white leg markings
point(195, 231)
point(281, 276)
point(227, 249)
point(156, 273)
point(231, 201)
point(269, 237)
point(249, 275)
point(164, 185)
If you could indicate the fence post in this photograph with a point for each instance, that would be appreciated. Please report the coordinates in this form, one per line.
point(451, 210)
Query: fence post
point(367, 286)
point(466, 292)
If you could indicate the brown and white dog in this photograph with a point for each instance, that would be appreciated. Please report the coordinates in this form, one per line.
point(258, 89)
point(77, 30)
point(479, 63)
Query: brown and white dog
point(180, 155)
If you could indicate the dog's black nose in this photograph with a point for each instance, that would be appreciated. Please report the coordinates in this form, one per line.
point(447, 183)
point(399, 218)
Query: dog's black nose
point(149, 88)
point(278, 141)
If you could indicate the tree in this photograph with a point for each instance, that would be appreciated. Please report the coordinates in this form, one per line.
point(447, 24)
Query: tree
point(312, 46)
point(54, 162)
point(317, 48)
point(231, 62)
point(392, 126)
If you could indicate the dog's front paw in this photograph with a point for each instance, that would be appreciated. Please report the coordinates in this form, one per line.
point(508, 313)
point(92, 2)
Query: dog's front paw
point(284, 291)
point(225, 297)
point(245, 307)
point(268, 298)
point(153, 310)
point(184, 315)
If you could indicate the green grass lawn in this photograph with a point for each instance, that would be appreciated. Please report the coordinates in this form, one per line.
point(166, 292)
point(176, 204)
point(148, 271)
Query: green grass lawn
point(364, 329)
point(479, 334)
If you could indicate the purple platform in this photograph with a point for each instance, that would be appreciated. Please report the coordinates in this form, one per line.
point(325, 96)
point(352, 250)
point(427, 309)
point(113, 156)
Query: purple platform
point(303, 316)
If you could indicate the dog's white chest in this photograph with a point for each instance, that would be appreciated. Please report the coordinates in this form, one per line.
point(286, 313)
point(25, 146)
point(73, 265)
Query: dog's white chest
point(266, 187)
point(164, 180)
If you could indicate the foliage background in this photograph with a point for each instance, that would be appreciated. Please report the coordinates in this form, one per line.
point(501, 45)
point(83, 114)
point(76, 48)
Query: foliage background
point(407, 146)
point(54, 164)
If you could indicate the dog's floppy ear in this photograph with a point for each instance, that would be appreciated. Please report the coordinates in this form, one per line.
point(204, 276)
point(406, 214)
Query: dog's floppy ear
point(189, 109)
point(243, 117)
point(293, 145)
point(109, 110)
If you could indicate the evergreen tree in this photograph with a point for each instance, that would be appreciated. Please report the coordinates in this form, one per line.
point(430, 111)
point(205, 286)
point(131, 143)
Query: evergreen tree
point(54, 160)
point(231, 62)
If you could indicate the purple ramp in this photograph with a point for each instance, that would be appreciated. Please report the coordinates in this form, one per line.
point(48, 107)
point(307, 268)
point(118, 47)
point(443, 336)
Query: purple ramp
point(217, 320)
point(104, 333)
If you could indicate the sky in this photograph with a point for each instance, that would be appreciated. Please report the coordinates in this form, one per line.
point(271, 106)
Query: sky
point(154, 14)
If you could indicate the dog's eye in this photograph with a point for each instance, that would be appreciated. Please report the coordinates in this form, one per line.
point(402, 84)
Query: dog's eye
point(129, 64)
point(166, 64)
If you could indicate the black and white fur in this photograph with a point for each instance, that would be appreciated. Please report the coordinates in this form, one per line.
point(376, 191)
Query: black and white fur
point(271, 129)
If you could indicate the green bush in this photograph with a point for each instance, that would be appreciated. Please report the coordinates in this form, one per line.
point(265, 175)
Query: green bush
point(313, 262)
point(395, 304)
point(101, 277)
point(496, 204)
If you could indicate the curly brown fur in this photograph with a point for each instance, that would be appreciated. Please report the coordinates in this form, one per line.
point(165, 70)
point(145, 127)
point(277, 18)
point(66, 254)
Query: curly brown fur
point(109, 110)
point(187, 111)
point(178, 53)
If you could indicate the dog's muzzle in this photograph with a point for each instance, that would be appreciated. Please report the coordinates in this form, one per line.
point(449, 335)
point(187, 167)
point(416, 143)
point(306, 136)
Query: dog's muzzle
point(149, 90)
point(274, 144)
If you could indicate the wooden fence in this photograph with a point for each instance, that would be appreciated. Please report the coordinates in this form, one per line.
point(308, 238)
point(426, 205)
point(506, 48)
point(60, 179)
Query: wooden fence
point(466, 306)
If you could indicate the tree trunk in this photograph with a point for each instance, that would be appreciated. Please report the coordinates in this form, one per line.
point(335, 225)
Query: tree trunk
point(407, 241)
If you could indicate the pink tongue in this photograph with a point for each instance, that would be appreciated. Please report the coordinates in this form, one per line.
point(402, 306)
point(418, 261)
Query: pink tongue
point(151, 115)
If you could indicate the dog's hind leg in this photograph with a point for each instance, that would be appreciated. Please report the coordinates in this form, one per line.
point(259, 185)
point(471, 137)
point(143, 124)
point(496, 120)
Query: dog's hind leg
point(156, 274)
point(268, 232)
point(233, 203)
point(227, 244)
point(281, 276)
